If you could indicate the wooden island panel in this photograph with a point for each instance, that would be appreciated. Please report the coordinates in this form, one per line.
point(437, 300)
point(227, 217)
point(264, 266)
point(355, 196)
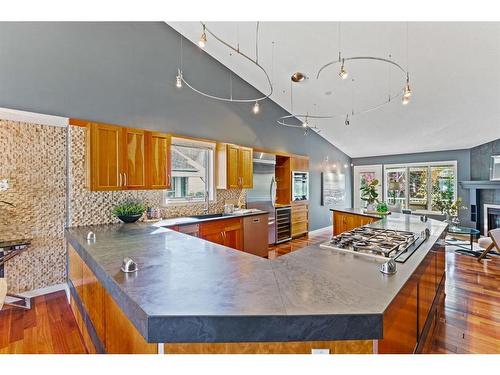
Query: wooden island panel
point(292, 347)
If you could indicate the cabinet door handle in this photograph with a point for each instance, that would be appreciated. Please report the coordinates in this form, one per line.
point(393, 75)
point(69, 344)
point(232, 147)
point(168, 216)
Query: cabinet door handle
point(120, 180)
point(168, 179)
point(124, 179)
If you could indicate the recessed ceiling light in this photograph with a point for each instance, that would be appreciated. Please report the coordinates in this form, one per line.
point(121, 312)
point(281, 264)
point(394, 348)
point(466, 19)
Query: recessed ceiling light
point(298, 77)
point(327, 93)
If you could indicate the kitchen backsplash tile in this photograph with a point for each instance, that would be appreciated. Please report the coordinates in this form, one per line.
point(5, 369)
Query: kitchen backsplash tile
point(33, 160)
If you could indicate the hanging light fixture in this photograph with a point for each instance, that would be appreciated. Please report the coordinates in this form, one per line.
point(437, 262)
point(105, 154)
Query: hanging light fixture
point(203, 38)
point(236, 50)
point(347, 122)
point(407, 91)
point(343, 72)
point(256, 107)
point(178, 79)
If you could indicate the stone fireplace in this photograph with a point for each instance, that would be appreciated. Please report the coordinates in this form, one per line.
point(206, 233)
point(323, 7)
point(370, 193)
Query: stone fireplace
point(491, 218)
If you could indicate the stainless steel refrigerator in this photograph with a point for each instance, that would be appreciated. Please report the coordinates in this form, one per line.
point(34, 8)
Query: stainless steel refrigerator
point(263, 194)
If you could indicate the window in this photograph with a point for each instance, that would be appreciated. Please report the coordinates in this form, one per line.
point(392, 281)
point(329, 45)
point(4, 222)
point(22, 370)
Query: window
point(418, 186)
point(192, 171)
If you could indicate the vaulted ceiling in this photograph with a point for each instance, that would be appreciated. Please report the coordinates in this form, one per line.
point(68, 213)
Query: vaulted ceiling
point(454, 70)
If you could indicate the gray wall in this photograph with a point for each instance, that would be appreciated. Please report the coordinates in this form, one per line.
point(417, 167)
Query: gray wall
point(124, 73)
point(480, 159)
point(463, 168)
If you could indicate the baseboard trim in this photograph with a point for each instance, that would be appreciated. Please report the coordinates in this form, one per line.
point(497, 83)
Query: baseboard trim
point(46, 290)
point(321, 229)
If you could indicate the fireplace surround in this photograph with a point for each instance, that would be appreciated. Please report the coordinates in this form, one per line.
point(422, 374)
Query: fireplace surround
point(491, 217)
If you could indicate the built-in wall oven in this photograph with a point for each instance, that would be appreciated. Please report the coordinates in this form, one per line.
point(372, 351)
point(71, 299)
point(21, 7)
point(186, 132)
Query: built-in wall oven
point(300, 186)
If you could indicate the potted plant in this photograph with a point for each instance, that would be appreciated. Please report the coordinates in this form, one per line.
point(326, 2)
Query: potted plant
point(369, 194)
point(129, 212)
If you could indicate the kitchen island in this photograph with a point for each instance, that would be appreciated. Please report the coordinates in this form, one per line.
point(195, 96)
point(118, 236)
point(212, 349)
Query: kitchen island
point(193, 296)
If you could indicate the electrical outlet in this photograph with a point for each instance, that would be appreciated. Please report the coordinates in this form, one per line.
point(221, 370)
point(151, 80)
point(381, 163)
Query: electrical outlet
point(320, 351)
point(4, 185)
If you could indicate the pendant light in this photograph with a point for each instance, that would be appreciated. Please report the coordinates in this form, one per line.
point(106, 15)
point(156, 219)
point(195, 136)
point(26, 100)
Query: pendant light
point(343, 72)
point(178, 79)
point(203, 38)
point(256, 108)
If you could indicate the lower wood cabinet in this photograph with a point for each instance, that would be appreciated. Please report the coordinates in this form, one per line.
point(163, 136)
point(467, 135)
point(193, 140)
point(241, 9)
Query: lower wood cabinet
point(344, 222)
point(227, 232)
point(300, 218)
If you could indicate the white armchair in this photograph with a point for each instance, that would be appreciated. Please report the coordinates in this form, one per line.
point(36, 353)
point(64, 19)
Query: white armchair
point(492, 242)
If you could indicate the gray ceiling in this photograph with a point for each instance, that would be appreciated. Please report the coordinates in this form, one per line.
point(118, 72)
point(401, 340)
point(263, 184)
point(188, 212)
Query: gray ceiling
point(454, 69)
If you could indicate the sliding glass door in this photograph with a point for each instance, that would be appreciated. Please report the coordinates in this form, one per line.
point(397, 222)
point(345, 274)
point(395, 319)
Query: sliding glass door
point(417, 186)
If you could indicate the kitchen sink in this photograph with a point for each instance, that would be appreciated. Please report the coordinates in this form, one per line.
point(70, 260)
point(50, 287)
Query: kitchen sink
point(207, 216)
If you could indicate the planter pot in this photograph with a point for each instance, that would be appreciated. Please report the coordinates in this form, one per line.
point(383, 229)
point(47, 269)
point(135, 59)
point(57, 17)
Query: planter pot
point(129, 218)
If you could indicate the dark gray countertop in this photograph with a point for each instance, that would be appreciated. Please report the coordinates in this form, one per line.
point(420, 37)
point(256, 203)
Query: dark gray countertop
point(191, 290)
point(186, 220)
point(358, 211)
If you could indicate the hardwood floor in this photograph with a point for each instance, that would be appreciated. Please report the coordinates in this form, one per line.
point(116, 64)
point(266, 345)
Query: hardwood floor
point(470, 322)
point(471, 319)
point(48, 328)
point(298, 243)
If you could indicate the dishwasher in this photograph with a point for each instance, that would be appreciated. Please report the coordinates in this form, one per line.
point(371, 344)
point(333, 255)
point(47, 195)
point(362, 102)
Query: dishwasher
point(255, 230)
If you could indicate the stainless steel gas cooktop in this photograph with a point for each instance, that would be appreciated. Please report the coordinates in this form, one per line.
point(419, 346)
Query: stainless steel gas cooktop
point(377, 243)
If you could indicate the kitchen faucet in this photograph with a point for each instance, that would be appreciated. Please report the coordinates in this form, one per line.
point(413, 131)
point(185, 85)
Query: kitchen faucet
point(206, 209)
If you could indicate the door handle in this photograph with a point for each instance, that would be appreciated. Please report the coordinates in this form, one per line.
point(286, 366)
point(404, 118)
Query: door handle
point(120, 179)
point(168, 179)
point(124, 179)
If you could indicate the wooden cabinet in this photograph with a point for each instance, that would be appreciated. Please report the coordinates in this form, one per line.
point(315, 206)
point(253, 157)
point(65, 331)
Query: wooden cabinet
point(106, 157)
point(300, 218)
point(343, 221)
point(283, 175)
point(300, 163)
point(120, 158)
point(134, 166)
point(159, 160)
point(234, 167)
point(227, 232)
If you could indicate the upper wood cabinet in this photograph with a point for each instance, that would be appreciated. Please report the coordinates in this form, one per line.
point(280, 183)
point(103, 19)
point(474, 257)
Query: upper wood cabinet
point(299, 163)
point(105, 157)
point(234, 167)
point(134, 171)
point(159, 163)
point(120, 158)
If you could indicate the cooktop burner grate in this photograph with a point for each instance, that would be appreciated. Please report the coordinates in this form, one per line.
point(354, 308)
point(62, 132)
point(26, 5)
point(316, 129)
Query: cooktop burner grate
point(375, 242)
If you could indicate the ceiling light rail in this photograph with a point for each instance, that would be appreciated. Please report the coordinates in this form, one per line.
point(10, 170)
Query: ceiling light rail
point(404, 94)
point(181, 79)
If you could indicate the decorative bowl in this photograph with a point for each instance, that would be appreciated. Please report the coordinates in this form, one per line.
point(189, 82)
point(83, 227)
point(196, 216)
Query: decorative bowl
point(129, 218)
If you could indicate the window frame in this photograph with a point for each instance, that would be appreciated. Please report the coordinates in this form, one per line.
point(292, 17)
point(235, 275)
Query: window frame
point(428, 165)
point(209, 145)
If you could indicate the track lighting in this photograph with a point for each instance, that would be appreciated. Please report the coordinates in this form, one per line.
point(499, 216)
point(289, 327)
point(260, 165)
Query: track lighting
point(178, 79)
point(203, 38)
point(256, 108)
point(343, 72)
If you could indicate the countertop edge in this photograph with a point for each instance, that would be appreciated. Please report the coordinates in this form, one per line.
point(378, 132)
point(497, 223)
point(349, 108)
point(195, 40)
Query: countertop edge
point(130, 308)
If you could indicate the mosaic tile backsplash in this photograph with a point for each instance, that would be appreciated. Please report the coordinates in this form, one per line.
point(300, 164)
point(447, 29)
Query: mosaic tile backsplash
point(33, 160)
